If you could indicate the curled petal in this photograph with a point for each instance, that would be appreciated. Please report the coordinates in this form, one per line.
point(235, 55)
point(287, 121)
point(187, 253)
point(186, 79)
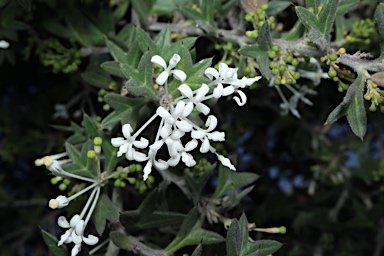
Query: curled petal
point(157, 145)
point(159, 61)
point(188, 159)
point(211, 123)
point(76, 249)
point(179, 75)
point(139, 156)
point(179, 108)
point(223, 69)
point(62, 222)
point(75, 219)
point(191, 145)
point(198, 134)
point(211, 73)
point(123, 149)
point(243, 99)
point(218, 91)
point(205, 146)
point(201, 92)
point(228, 90)
point(76, 238)
point(117, 142)
point(177, 134)
point(187, 109)
point(186, 90)
point(147, 170)
point(163, 113)
point(161, 165)
point(142, 143)
point(173, 161)
point(65, 238)
point(162, 78)
point(250, 81)
point(231, 73)
point(217, 136)
point(202, 108)
point(165, 130)
point(79, 229)
point(91, 240)
point(173, 62)
point(184, 125)
point(127, 130)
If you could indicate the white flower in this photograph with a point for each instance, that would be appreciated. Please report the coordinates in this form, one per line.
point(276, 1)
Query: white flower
point(126, 145)
point(195, 97)
point(177, 73)
point(226, 162)
point(4, 44)
point(76, 226)
point(206, 135)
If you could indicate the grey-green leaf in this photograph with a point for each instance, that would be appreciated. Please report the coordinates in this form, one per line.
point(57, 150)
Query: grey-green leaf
point(356, 114)
point(234, 239)
point(51, 241)
point(261, 248)
point(379, 23)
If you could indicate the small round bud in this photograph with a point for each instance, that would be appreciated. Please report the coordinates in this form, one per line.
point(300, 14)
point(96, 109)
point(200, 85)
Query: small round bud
point(132, 180)
point(264, 7)
point(117, 183)
point(132, 168)
point(39, 162)
point(296, 75)
point(53, 204)
point(273, 64)
point(295, 62)
point(271, 54)
point(97, 141)
point(367, 96)
point(282, 68)
point(283, 230)
point(62, 187)
point(91, 154)
point(372, 108)
point(139, 167)
point(332, 73)
point(119, 168)
point(277, 81)
point(55, 180)
point(275, 48)
point(122, 184)
point(259, 11)
point(335, 79)
point(332, 57)
point(260, 24)
point(288, 59)
point(275, 71)
point(106, 107)
point(283, 81)
point(66, 182)
point(123, 175)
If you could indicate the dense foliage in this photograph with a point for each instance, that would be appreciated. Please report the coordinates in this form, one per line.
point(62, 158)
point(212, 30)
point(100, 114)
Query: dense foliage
point(191, 127)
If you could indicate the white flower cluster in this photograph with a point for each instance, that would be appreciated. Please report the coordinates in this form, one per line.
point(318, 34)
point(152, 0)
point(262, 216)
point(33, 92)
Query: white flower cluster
point(175, 124)
point(77, 224)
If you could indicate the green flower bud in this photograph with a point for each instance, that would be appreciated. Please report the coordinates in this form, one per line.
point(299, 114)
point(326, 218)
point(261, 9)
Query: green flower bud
point(91, 154)
point(132, 180)
point(98, 141)
point(332, 73)
point(275, 71)
point(264, 7)
point(139, 167)
point(106, 107)
point(372, 108)
point(55, 180)
point(259, 11)
point(119, 168)
point(123, 175)
point(332, 57)
point(288, 59)
point(122, 184)
point(117, 183)
point(282, 68)
point(62, 187)
point(132, 168)
point(272, 64)
point(66, 182)
point(275, 48)
point(296, 75)
point(295, 62)
point(277, 81)
point(271, 54)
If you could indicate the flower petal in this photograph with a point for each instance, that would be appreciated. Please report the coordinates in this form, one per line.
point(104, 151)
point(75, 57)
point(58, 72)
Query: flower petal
point(147, 170)
point(205, 146)
point(191, 145)
point(161, 165)
point(91, 240)
point(159, 61)
point(217, 136)
point(188, 109)
point(142, 143)
point(162, 78)
point(218, 91)
point(243, 99)
point(4, 44)
point(211, 123)
point(173, 161)
point(74, 220)
point(201, 92)
point(223, 69)
point(62, 222)
point(127, 130)
point(173, 62)
point(179, 108)
point(163, 113)
point(186, 90)
point(79, 229)
point(117, 142)
point(226, 162)
point(211, 73)
point(188, 159)
point(184, 125)
point(76, 238)
point(203, 108)
point(139, 156)
point(76, 249)
point(198, 134)
point(179, 75)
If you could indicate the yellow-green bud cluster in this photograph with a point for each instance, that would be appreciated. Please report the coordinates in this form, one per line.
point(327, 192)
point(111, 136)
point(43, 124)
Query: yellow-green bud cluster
point(258, 18)
point(201, 167)
point(64, 182)
point(133, 174)
point(279, 68)
point(97, 141)
point(53, 53)
point(375, 95)
point(362, 35)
